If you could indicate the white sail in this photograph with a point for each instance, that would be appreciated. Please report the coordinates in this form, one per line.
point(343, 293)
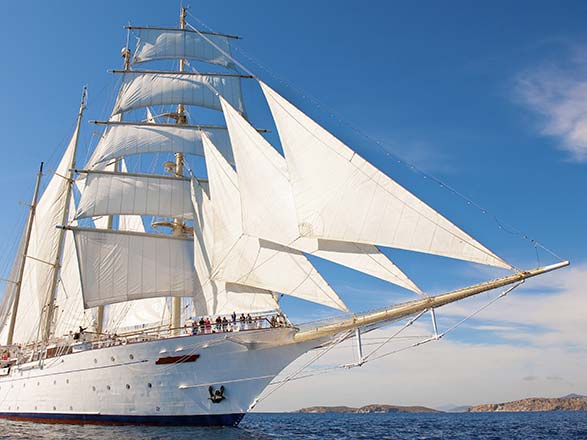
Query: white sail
point(141, 311)
point(166, 44)
point(107, 193)
point(7, 304)
point(244, 259)
point(225, 298)
point(341, 196)
point(217, 297)
point(127, 139)
point(118, 266)
point(69, 307)
point(42, 252)
point(148, 89)
point(269, 209)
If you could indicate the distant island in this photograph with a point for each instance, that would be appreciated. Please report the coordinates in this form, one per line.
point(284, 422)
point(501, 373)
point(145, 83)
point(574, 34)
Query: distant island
point(367, 409)
point(572, 402)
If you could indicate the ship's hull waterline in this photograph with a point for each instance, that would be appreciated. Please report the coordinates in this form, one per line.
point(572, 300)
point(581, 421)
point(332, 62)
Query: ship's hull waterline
point(161, 382)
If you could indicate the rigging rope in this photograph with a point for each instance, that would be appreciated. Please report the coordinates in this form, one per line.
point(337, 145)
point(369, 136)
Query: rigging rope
point(369, 357)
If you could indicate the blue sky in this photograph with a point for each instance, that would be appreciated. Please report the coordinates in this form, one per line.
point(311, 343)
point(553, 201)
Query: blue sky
point(491, 99)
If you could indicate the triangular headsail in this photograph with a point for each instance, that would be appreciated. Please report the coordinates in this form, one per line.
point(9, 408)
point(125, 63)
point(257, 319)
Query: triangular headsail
point(340, 196)
point(244, 259)
point(268, 209)
point(218, 297)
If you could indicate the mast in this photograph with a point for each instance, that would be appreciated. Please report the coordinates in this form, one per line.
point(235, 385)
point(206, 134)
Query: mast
point(178, 225)
point(27, 239)
point(50, 305)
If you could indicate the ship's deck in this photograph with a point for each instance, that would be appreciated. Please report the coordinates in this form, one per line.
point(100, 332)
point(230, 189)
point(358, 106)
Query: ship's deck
point(87, 340)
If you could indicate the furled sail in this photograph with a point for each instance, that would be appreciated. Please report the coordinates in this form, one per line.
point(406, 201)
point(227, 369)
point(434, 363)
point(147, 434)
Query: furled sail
point(269, 210)
point(166, 44)
point(340, 196)
point(244, 259)
point(112, 193)
point(217, 297)
point(118, 266)
point(127, 139)
point(148, 89)
point(42, 251)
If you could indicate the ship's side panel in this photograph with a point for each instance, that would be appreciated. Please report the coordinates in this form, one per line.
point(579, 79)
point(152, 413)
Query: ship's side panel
point(151, 382)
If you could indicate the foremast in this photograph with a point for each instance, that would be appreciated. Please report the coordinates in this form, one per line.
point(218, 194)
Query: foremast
point(50, 304)
point(27, 238)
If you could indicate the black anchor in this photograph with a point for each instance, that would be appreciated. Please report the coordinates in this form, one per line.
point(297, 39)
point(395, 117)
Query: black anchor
point(218, 395)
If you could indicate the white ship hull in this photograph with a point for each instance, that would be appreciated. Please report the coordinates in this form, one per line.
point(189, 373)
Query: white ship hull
point(161, 382)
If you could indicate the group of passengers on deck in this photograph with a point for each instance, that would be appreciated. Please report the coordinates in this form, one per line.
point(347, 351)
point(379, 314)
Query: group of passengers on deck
point(244, 322)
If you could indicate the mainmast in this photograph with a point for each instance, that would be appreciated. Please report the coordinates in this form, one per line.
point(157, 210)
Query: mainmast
point(178, 224)
point(50, 304)
point(27, 239)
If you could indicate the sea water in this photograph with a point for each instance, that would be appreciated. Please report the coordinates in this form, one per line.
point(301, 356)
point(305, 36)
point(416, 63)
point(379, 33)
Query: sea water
point(465, 426)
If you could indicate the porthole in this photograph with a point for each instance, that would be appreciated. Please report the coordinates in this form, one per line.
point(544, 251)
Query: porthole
point(127, 386)
point(131, 357)
point(149, 385)
point(54, 408)
point(108, 387)
point(156, 408)
point(112, 359)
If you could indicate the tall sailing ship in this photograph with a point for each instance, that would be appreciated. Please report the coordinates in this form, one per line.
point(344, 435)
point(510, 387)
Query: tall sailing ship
point(104, 319)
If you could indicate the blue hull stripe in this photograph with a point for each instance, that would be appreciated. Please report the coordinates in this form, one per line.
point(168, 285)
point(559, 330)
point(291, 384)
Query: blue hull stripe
point(107, 419)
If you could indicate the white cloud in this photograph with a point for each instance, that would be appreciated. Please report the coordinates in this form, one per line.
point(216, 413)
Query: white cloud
point(559, 94)
point(558, 318)
point(546, 355)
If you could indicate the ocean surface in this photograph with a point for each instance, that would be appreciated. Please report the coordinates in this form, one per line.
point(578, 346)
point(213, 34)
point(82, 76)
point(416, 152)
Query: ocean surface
point(488, 426)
